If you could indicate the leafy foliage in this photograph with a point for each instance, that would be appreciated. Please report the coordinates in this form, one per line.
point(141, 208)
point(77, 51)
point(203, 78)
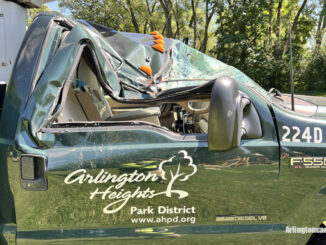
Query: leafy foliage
point(315, 72)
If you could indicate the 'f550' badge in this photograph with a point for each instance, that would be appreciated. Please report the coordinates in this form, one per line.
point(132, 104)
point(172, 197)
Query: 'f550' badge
point(308, 162)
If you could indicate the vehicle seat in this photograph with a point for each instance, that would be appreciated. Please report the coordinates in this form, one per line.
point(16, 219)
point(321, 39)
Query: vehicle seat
point(86, 102)
point(201, 120)
point(133, 112)
point(72, 111)
point(94, 91)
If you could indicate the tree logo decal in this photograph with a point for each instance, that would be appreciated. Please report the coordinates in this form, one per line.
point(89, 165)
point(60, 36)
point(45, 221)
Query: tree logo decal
point(185, 169)
point(177, 168)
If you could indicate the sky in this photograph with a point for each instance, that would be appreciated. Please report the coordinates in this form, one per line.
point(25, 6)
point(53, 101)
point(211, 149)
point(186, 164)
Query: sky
point(54, 6)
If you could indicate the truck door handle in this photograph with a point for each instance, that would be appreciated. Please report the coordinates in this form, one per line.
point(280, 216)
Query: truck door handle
point(33, 172)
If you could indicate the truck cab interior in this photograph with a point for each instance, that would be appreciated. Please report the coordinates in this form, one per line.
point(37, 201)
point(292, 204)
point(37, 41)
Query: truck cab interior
point(86, 101)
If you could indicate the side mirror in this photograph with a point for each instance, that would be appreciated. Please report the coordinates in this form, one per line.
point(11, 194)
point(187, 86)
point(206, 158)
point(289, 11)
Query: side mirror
point(225, 115)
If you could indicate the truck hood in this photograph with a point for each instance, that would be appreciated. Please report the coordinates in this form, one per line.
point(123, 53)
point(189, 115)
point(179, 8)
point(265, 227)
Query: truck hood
point(313, 106)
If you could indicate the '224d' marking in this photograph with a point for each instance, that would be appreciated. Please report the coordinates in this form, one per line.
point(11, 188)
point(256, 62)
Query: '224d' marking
point(310, 135)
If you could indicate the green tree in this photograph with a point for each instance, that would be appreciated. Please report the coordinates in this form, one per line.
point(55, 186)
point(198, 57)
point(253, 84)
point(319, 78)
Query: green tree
point(314, 74)
point(254, 38)
point(321, 27)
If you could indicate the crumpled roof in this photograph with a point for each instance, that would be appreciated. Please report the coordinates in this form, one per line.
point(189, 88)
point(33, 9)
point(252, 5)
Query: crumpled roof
point(179, 66)
point(119, 56)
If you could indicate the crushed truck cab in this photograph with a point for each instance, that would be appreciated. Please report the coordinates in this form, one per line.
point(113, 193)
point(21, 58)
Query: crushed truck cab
point(110, 136)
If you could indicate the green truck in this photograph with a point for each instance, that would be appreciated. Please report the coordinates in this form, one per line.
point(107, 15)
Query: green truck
point(115, 137)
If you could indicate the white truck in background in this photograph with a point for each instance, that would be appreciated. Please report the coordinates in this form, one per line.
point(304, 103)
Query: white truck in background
point(13, 25)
